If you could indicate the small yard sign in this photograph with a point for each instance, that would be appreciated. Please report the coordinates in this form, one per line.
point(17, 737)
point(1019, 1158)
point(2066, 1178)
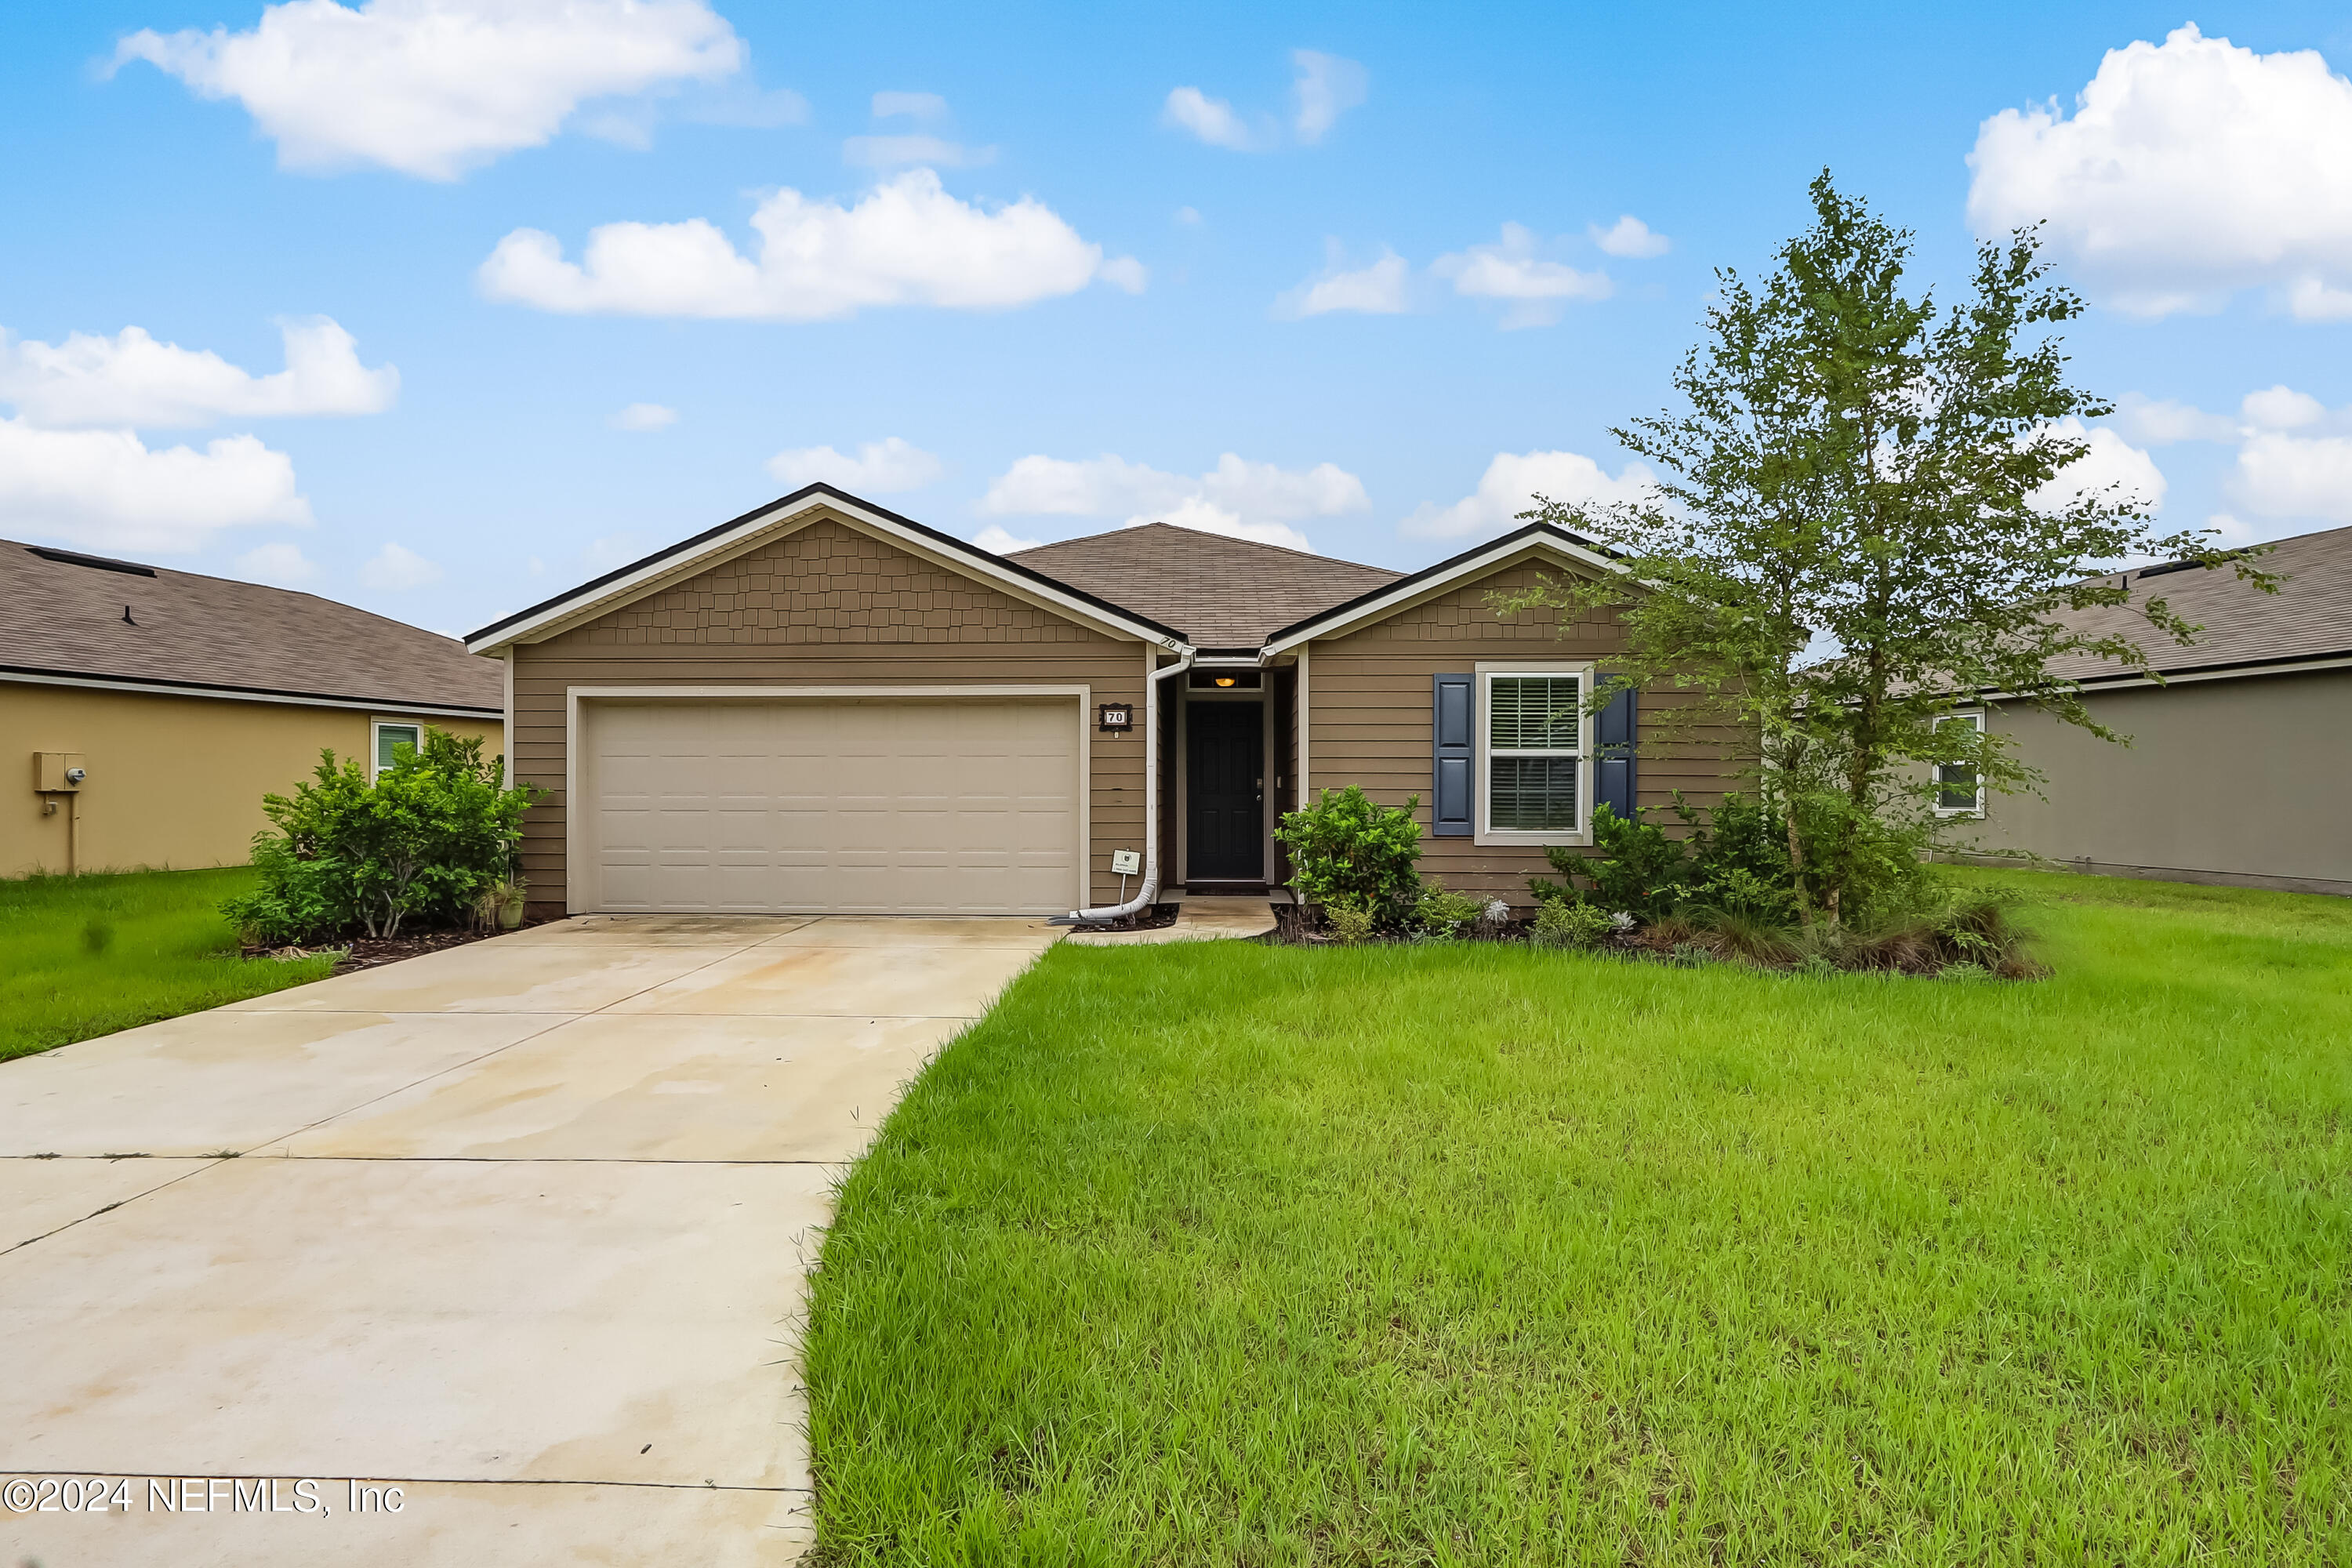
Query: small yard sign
point(1126, 862)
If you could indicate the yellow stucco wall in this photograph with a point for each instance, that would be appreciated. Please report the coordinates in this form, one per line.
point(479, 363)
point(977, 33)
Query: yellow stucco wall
point(173, 781)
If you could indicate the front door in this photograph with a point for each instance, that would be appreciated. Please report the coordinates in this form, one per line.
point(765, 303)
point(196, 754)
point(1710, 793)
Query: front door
point(1225, 791)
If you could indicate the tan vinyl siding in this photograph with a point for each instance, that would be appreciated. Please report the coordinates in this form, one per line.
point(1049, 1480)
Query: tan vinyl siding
point(174, 782)
point(1370, 720)
point(827, 605)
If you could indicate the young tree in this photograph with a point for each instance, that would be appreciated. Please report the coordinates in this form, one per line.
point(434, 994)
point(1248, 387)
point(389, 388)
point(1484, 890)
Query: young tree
point(1861, 520)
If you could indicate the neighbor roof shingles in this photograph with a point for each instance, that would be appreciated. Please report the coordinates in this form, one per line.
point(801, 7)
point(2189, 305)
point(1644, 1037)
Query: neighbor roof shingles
point(60, 618)
point(1219, 592)
point(2310, 617)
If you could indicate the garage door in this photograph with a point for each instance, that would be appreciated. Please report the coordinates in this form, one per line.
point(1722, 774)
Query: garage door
point(954, 806)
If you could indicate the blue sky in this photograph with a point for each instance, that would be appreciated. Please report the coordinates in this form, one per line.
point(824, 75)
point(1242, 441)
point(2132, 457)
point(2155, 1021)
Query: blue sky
point(1062, 236)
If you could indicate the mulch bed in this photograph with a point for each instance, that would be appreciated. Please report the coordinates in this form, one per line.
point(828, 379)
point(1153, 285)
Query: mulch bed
point(1296, 925)
point(373, 952)
point(1151, 919)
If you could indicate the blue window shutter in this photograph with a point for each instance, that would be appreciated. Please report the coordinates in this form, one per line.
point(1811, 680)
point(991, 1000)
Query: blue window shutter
point(1453, 724)
point(1613, 767)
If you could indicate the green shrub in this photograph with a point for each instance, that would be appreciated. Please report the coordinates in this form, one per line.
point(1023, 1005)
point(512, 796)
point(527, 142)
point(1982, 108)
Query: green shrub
point(1349, 921)
point(1347, 848)
point(1639, 869)
point(1571, 922)
point(421, 845)
point(1445, 913)
point(1734, 858)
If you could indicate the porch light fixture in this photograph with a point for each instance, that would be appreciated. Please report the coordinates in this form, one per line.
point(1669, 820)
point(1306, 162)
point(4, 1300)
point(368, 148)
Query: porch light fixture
point(1224, 680)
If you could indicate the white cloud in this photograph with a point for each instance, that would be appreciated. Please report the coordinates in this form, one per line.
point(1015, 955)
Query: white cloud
point(105, 490)
point(282, 565)
point(1630, 236)
point(899, 151)
point(2113, 470)
point(906, 242)
point(2295, 453)
point(1511, 483)
point(2188, 170)
point(2279, 475)
point(2283, 408)
point(880, 468)
point(130, 380)
point(1205, 516)
point(1511, 270)
point(1377, 291)
point(1125, 273)
point(999, 541)
point(1188, 216)
point(2158, 423)
point(1327, 88)
point(921, 106)
point(644, 417)
point(433, 88)
point(740, 103)
point(1245, 499)
point(395, 568)
point(1211, 118)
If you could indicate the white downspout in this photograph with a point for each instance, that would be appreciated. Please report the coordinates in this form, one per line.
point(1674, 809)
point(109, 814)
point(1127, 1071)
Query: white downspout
point(1150, 890)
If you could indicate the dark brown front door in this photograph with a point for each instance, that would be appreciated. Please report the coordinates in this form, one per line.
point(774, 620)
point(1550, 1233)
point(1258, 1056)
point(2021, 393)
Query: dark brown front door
point(1225, 791)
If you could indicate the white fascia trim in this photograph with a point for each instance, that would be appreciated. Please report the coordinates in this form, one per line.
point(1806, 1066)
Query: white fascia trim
point(1476, 566)
point(217, 694)
point(577, 608)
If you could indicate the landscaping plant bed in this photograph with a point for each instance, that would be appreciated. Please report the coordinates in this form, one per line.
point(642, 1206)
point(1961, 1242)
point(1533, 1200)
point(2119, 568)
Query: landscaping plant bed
point(1996, 948)
point(1301, 925)
point(373, 952)
point(1151, 919)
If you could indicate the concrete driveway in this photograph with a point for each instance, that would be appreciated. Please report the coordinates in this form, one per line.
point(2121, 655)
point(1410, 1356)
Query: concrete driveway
point(520, 1229)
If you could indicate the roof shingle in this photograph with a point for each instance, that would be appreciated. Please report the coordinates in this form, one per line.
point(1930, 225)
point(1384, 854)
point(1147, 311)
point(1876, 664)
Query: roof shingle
point(60, 618)
point(2310, 617)
point(1221, 592)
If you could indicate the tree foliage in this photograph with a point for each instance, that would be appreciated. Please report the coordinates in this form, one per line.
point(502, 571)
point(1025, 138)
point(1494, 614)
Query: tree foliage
point(1864, 516)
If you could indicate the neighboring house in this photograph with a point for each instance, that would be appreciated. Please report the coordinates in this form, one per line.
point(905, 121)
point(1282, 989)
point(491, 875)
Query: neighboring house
point(183, 700)
point(824, 706)
point(2239, 764)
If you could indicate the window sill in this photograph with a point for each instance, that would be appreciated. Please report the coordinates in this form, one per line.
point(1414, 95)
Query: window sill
point(1507, 840)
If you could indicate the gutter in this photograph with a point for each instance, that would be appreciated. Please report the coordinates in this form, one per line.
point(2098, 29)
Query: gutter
point(1105, 913)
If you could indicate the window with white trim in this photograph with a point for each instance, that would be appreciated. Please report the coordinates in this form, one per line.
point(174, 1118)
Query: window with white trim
point(389, 738)
point(1959, 791)
point(1534, 752)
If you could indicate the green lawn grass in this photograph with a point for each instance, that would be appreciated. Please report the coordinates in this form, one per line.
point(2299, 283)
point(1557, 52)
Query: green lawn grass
point(81, 956)
point(1222, 1254)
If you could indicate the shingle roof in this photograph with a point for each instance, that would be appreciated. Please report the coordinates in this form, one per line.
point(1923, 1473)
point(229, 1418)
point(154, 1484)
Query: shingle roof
point(59, 617)
point(2310, 617)
point(1219, 592)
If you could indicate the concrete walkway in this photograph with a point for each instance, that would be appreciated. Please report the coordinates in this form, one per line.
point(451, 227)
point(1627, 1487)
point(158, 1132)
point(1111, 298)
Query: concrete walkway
point(519, 1228)
point(1197, 920)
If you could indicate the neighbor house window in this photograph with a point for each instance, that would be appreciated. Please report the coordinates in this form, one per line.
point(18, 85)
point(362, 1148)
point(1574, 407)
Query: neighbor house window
point(1534, 752)
point(389, 738)
point(1959, 791)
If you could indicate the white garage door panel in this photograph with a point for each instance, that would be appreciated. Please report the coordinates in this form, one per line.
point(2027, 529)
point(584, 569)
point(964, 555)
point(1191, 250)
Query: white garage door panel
point(953, 807)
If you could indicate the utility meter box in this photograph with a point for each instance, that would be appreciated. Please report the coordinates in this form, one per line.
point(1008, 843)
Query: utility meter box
point(56, 772)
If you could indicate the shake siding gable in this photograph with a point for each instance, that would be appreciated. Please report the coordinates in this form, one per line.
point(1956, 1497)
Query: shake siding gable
point(825, 605)
point(1369, 717)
